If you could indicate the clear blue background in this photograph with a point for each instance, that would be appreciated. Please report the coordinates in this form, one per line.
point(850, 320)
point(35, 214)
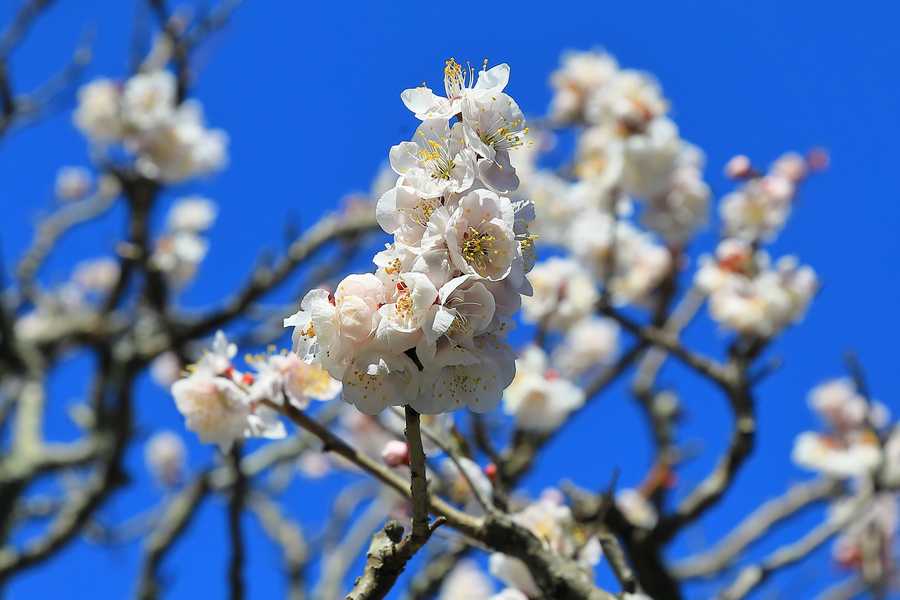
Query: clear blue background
point(309, 95)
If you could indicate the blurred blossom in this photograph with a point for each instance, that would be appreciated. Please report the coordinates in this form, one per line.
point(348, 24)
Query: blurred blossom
point(165, 369)
point(164, 455)
point(563, 294)
point(589, 343)
point(636, 508)
point(73, 183)
point(466, 582)
point(460, 490)
point(96, 276)
point(169, 141)
point(539, 398)
point(192, 213)
point(553, 524)
point(750, 296)
point(851, 447)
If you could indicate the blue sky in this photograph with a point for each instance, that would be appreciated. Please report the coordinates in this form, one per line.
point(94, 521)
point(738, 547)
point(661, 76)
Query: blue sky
point(309, 94)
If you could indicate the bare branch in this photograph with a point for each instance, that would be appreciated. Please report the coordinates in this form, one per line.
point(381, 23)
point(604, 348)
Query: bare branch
point(174, 522)
point(752, 576)
point(289, 537)
point(723, 554)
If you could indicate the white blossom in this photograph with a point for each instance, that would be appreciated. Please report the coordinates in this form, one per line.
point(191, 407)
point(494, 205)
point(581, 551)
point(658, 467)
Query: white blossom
point(539, 398)
point(459, 84)
point(437, 161)
point(580, 75)
point(630, 97)
point(852, 456)
point(148, 100)
point(287, 377)
point(96, 276)
point(72, 183)
point(164, 455)
point(587, 344)
point(192, 214)
point(564, 293)
point(98, 115)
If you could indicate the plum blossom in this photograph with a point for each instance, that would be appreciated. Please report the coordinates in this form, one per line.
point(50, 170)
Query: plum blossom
point(335, 327)
point(437, 161)
point(630, 98)
point(628, 260)
point(164, 455)
point(539, 398)
point(72, 183)
point(192, 213)
point(168, 140)
point(494, 125)
point(459, 84)
point(287, 377)
point(564, 293)
point(580, 75)
point(851, 448)
point(98, 114)
point(215, 403)
point(587, 344)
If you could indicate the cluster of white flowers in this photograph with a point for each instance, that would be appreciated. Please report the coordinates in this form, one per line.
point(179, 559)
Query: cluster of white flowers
point(169, 140)
point(628, 147)
point(539, 397)
point(221, 404)
point(181, 248)
point(552, 522)
point(427, 328)
point(851, 447)
point(860, 446)
point(750, 295)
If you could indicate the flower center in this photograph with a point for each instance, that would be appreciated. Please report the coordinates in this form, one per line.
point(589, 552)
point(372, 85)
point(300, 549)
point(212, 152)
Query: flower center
point(477, 248)
point(437, 157)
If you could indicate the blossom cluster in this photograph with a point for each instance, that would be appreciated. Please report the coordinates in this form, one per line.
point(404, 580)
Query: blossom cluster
point(860, 445)
point(168, 139)
point(181, 248)
point(748, 293)
point(427, 327)
point(222, 404)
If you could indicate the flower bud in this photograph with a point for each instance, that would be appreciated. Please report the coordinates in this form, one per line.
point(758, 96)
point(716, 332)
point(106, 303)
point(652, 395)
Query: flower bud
point(395, 453)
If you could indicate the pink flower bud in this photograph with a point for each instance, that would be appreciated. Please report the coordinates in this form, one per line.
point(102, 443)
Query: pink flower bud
point(739, 167)
point(395, 453)
point(817, 159)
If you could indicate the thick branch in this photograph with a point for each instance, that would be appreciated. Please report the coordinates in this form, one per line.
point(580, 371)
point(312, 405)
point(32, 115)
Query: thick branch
point(235, 509)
